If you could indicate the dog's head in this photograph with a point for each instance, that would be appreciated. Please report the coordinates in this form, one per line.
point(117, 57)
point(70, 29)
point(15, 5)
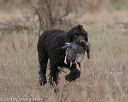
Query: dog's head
point(78, 35)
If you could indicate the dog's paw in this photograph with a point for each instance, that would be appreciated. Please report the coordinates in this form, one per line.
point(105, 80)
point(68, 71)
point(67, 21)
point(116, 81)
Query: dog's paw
point(73, 75)
point(42, 81)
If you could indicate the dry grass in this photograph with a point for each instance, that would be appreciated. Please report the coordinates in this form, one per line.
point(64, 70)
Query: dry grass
point(104, 77)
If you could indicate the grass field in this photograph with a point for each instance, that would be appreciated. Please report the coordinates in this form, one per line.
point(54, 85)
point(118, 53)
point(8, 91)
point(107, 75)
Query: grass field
point(104, 77)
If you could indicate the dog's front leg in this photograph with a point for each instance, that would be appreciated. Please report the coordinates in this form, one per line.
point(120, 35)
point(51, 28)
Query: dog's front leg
point(75, 72)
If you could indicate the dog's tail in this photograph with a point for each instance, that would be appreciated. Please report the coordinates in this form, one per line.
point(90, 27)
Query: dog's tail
point(39, 33)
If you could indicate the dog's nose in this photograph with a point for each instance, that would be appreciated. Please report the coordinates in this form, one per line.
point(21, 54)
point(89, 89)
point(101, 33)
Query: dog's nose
point(87, 44)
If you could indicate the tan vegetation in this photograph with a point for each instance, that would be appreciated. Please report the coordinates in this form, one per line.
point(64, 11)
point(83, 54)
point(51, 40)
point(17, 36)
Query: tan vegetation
point(104, 77)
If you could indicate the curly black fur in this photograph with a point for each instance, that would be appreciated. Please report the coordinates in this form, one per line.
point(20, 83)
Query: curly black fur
point(48, 47)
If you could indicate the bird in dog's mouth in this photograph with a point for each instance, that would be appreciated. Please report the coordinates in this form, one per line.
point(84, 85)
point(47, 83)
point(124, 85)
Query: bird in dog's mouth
point(75, 53)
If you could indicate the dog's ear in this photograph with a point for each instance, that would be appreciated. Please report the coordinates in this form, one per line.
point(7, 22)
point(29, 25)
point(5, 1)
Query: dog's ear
point(68, 37)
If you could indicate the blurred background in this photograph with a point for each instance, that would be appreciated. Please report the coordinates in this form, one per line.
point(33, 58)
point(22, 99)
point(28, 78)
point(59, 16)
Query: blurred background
point(58, 13)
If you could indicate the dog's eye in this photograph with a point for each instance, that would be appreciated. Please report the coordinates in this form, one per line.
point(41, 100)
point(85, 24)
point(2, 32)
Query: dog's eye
point(85, 37)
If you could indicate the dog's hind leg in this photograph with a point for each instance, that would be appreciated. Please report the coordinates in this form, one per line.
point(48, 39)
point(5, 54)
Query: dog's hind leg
point(54, 71)
point(43, 59)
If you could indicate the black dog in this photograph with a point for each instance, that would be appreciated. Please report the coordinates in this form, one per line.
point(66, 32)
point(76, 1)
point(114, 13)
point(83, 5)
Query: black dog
point(49, 47)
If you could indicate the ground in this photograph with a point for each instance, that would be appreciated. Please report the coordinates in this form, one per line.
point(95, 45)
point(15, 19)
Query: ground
point(104, 76)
